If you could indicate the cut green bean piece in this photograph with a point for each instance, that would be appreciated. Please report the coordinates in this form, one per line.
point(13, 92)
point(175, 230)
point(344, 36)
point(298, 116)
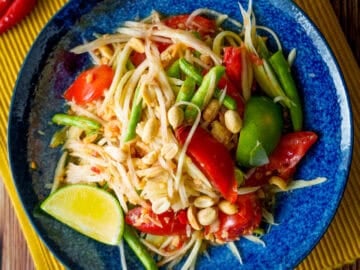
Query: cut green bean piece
point(205, 91)
point(283, 72)
point(187, 90)
point(174, 70)
point(77, 121)
point(228, 102)
point(135, 116)
point(139, 249)
point(190, 70)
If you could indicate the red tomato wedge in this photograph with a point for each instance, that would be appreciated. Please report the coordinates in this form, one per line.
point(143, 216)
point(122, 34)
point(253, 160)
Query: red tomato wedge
point(213, 159)
point(90, 84)
point(233, 64)
point(243, 222)
point(284, 159)
point(167, 223)
point(198, 23)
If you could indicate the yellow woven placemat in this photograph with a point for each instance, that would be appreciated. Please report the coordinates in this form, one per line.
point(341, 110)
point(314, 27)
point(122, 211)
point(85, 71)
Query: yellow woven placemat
point(341, 243)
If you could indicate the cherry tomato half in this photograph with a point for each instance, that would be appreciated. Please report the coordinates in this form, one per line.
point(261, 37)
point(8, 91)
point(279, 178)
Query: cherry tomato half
point(198, 23)
point(167, 223)
point(90, 84)
point(247, 219)
point(284, 159)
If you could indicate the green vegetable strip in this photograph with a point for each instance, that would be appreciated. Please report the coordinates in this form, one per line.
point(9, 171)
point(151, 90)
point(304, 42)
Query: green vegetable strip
point(204, 92)
point(262, 49)
point(228, 101)
point(190, 70)
point(187, 90)
point(59, 137)
point(174, 70)
point(135, 116)
point(139, 249)
point(282, 70)
point(77, 121)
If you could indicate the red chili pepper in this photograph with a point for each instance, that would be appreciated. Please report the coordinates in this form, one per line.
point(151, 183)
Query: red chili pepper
point(17, 10)
point(213, 159)
point(4, 4)
point(167, 223)
point(283, 160)
point(248, 218)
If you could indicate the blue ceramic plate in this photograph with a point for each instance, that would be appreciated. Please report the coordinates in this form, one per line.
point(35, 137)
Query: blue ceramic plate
point(303, 215)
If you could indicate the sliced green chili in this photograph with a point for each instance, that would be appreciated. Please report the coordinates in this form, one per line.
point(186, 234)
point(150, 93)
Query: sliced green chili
point(77, 121)
point(135, 116)
point(139, 249)
point(187, 90)
point(283, 72)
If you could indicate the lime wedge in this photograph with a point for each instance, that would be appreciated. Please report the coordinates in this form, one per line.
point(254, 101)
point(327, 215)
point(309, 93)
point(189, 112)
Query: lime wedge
point(89, 210)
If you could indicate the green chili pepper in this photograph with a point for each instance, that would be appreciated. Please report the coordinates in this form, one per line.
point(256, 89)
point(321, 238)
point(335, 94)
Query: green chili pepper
point(205, 91)
point(174, 70)
point(187, 90)
point(135, 116)
point(190, 70)
point(77, 121)
point(261, 131)
point(139, 249)
point(282, 70)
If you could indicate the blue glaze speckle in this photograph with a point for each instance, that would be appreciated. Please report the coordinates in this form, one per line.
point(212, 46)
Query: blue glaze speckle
point(303, 215)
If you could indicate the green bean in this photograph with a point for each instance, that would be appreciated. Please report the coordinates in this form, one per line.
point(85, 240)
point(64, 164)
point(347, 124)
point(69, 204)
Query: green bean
point(139, 249)
point(283, 72)
point(205, 91)
point(187, 90)
point(174, 70)
point(77, 121)
point(228, 102)
point(190, 70)
point(135, 116)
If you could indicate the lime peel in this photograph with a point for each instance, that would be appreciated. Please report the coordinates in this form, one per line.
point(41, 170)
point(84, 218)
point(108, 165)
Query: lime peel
point(89, 210)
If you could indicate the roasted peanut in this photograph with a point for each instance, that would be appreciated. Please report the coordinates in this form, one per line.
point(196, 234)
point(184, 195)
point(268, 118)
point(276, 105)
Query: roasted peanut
point(221, 133)
point(175, 116)
point(233, 121)
point(227, 207)
point(169, 150)
point(204, 201)
point(211, 110)
point(150, 130)
point(192, 218)
point(207, 216)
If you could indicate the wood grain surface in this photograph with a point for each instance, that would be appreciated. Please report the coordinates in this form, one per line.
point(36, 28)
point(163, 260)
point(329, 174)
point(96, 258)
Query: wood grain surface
point(14, 254)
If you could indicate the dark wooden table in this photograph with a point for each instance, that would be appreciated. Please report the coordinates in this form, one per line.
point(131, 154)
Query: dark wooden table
point(348, 13)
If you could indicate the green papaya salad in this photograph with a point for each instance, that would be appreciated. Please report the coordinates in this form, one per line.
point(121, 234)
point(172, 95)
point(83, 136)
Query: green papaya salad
point(191, 127)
